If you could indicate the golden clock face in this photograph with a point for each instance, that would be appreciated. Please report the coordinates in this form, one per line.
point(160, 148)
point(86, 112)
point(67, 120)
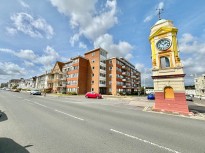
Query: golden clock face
point(163, 44)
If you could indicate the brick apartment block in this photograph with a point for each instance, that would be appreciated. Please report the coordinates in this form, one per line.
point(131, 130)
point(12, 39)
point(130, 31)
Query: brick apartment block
point(95, 72)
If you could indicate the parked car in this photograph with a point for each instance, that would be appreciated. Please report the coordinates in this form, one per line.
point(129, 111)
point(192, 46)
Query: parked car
point(189, 98)
point(16, 90)
point(35, 92)
point(93, 95)
point(151, 96)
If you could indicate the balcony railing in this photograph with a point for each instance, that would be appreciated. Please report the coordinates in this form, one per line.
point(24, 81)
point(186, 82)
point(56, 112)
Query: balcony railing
point(124, 73)
point(123, 67)
point(102, 64)
point(102, 71)
point(102, 78)
point(102, 57)
point(102, 85)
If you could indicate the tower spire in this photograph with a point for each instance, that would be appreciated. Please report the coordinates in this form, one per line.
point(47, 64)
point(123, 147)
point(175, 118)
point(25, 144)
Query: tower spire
point(159, 12)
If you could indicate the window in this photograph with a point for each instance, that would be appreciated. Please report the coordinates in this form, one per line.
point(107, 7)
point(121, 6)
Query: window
point(93, 54)
point(164, 62)
point(93, 75)
point(93, 67)
point(102, 75)
point(102, 67)
point(92, 89)
point(110, 61)
point(110, 89)
point(110, 68)
point(102, 82)
point(92, 82)
point(93, 61)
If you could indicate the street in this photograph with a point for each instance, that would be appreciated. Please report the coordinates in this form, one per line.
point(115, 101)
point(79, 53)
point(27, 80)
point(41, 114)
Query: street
point(39, 124)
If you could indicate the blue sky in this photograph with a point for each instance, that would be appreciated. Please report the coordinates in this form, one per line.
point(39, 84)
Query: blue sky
point(35, 34)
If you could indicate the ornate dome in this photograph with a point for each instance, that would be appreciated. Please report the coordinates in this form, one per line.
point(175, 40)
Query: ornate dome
point(160, 21)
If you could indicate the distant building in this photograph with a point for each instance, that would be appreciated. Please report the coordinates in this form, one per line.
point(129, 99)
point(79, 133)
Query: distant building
point(4, 85)
point(55, 78)
point(200, 85)
point(27, 83)
point(14, 83)
point(42, 81)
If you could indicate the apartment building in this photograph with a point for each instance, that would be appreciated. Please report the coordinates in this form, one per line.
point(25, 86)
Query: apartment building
point(96, 78)
point(200, 85)
point(27, 83)
point(42, 81)
point(76, 71)
point(56, 79)
point(122, 77)
point(94, 72)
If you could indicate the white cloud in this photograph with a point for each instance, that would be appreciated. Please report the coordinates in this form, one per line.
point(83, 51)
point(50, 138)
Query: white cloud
point(28, 64)
point(121, 49)
point(88, 22)
point(26, 54)
point(46, 60)
point(93, 24)
point(24, 4)
point(82, 45)
point(148, 18)
point(25, 23)
point(193, 48)
point(161, 5)
point(152, 13)
point(8, 68)
point(139, 66)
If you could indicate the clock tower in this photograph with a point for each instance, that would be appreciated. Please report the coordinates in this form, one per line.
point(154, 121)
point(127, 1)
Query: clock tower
point(168, 75)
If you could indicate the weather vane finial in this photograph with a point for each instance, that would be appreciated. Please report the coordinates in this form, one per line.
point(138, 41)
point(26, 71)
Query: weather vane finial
point(159, 12)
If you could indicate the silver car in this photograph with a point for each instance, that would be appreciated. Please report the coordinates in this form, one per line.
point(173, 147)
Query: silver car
point(35, 92)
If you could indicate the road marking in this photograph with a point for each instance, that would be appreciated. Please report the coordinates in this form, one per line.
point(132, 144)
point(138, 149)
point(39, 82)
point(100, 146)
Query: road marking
point(69, 115)
point(27, 100)
point(36, 103)
point(145, 141)
point(41, 104)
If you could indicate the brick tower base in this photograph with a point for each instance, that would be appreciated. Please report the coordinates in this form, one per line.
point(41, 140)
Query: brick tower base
point(176, 105)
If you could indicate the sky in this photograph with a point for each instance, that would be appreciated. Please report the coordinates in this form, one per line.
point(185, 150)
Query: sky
point(36, 34)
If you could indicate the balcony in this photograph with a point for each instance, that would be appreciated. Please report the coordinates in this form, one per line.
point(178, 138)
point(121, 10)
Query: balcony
point(102, 85)
point(124, 86)
point(102, 78)
point(123, 67)
point(123, 79)
point(102, 57)
point(124, 73)
point(102, 64)
point(102, 71)
point(133, 76)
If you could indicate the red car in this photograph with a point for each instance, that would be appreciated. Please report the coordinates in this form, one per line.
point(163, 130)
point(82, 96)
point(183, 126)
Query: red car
point(93, 95)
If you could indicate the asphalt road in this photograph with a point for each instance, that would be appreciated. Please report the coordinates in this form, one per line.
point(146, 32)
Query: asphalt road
point(40, 124)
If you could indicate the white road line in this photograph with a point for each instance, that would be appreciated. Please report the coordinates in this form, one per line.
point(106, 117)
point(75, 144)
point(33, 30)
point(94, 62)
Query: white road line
point(27, 100)
point(69, 115)
point(41, 104)
point(145, 141)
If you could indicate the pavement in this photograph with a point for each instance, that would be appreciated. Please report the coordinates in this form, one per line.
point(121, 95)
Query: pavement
point(197, 106)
